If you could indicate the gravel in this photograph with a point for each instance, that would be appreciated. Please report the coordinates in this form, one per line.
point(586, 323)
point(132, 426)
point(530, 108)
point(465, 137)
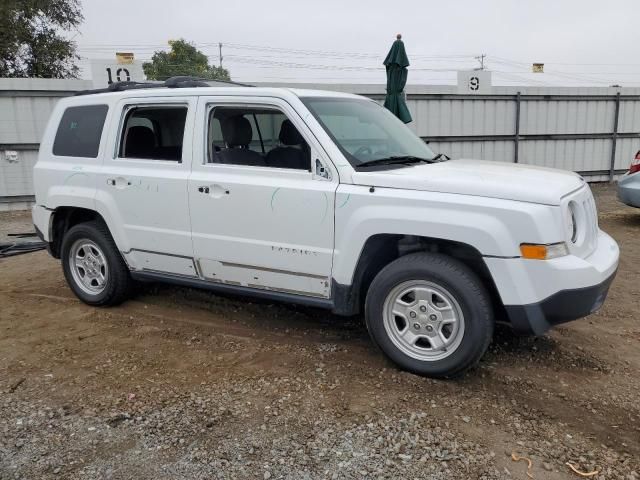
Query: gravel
point(178, 383)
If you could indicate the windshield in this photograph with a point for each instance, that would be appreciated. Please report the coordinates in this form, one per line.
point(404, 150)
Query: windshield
point(365, 131)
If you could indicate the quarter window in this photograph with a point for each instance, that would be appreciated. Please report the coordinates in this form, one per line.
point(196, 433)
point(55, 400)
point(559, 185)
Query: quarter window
point(79, 131)
point(255, 136)
point(153, 132)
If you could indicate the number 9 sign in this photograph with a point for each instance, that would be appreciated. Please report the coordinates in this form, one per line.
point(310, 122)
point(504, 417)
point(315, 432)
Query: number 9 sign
point(476, 82)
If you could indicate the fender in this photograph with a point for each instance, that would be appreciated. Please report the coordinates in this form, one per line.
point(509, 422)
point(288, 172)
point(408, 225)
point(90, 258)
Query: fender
point(75, 186)
point(493, 227)
point(105, 205)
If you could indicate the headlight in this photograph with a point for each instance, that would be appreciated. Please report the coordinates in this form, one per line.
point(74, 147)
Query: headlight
point(535, 251)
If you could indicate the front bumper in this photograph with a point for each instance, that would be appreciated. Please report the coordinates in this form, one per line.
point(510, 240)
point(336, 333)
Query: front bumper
point(538, 294)
point(562, 307)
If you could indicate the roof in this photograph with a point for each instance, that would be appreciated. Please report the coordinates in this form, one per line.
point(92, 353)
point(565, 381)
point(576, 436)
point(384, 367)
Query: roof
point(302, 92)
point(283, 93)
point(191, 86)
point(218, 91)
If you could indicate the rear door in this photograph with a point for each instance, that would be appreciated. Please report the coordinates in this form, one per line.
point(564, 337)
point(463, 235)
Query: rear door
point(143, 184)
point(261, 211)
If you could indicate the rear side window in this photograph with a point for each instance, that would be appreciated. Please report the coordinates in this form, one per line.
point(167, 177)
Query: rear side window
point(153, 132)
point(80, 131)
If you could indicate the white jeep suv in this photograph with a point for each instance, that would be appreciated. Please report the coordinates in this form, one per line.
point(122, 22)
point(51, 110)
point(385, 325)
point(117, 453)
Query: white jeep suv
point(318, 198)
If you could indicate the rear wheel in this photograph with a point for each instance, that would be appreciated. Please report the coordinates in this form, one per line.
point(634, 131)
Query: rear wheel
point(93, 266)
point(430, 314)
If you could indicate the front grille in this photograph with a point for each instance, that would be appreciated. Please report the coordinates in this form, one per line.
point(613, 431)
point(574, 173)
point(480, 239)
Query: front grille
point(592, 220)
point(587, 222)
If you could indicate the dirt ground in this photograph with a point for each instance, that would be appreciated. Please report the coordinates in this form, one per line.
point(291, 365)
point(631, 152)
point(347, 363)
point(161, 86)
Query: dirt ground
point(180, 383)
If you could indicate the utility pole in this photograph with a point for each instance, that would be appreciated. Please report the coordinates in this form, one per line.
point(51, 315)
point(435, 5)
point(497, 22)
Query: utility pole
point(220, 54)
point(481, 58)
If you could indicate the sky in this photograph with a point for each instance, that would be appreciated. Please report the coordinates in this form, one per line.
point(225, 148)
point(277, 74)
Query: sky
point(581, 42)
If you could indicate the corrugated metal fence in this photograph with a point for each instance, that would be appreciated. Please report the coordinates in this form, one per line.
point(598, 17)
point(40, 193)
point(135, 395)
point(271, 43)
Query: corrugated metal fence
point(594, 131)
point(25, 106)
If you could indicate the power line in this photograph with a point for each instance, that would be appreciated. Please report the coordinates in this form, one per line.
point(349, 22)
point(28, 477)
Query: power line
point(285, 64)
point(328, 53)
point(265, 48)
point(273, 57)
point(564, 75)
point(337, 54)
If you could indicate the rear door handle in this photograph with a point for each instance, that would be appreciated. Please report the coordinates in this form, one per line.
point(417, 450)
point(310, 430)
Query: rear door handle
point(119, 182)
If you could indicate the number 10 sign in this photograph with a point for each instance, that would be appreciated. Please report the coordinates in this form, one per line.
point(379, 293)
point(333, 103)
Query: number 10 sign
point(106, 72)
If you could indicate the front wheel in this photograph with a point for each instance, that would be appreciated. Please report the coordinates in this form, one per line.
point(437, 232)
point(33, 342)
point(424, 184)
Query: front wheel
point(430, 314)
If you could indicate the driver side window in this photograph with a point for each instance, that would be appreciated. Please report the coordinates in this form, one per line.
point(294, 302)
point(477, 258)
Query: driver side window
point(255, 136)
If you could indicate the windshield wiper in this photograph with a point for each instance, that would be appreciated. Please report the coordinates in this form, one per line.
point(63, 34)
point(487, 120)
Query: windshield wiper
point(393, 160)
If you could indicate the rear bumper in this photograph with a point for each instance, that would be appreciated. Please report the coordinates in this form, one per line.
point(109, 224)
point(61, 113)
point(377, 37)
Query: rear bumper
point(39, 233)
point(629, 190)
point(42, 221)
point(561, 307)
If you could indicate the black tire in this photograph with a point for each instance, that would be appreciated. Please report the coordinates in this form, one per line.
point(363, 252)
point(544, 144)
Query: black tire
point(467, 290)
point(118, 284)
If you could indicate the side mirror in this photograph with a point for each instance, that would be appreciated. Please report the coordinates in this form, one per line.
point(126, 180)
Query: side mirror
point(321, 171)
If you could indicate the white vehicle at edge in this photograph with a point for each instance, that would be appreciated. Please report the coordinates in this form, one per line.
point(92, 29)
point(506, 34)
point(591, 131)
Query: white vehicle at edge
point(317, 198)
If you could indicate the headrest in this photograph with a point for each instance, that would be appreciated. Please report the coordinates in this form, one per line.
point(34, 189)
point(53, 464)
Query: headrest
point(236, 131)
point(139, 140)
point(289, 135)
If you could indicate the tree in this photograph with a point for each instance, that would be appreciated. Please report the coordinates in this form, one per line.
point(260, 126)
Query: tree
point(182, 59)
point(31, 42)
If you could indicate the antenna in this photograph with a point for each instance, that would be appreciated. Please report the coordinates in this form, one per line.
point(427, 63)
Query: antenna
point(480, 59)
point(220, 54)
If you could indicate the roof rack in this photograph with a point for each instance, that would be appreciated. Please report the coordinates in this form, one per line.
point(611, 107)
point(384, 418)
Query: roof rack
point(173, 82)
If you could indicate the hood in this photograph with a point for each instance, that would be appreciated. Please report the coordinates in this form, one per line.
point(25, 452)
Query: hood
point(508, 181)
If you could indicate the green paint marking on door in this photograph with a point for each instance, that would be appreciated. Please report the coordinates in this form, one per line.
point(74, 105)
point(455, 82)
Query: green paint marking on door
point(273, 196)
point(345, 201)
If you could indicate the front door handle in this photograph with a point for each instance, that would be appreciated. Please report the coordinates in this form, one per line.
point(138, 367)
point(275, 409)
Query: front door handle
point(218, 191)
point(215, 190)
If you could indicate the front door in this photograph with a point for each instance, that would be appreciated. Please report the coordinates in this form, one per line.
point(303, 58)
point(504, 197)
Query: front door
point(143, 185)
point(260, 215)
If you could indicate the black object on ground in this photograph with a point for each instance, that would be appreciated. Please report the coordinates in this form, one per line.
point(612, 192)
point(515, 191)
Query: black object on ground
point(22, 235)
point(18, 248)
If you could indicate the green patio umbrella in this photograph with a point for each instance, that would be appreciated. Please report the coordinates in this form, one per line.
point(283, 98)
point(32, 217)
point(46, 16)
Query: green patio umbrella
point(396, 64)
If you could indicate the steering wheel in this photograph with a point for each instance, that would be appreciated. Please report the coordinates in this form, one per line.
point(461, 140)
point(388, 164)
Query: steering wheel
point(363, 150)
